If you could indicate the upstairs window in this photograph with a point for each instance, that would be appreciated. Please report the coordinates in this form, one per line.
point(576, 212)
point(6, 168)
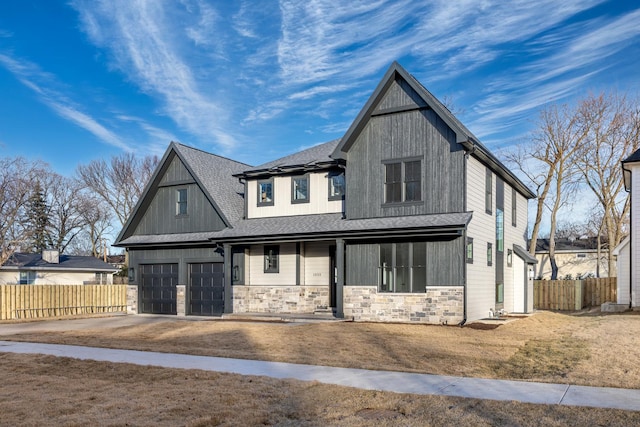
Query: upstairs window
point(393, 183)
point(336, 186)
point(181, 201)
point(271, 258)
point(488, 197)
point(265, 193)
point(300, 189)
point(403, 181)
point(469, 250)
point(500, 230)
point(413, 181)
point(514, 210)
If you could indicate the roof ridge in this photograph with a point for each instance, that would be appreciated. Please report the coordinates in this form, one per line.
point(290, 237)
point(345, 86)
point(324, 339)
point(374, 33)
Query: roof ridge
point(177, 143)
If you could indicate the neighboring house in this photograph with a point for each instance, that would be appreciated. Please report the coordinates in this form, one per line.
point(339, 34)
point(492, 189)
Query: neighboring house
point(628, 252)
point(574, 257)
point(117, 261)
point(51, 268)
point(407, 217)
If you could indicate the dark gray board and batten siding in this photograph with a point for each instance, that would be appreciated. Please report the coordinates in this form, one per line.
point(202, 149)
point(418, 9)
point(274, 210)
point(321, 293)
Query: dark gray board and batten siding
point(160, 216)
point(445, 262)
point(180, 256)
point(417, 133)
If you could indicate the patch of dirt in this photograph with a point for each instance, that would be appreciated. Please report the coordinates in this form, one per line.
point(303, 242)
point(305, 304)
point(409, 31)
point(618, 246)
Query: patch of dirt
point(483, 326)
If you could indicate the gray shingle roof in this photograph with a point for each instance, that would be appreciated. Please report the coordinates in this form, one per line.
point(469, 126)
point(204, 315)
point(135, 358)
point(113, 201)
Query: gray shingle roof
point(526, 256)
point(334, 225)
point(317, 154)
point(634, 157)
point(149, 239)
point(25, 261)
point(313, 226)
point(215, 173)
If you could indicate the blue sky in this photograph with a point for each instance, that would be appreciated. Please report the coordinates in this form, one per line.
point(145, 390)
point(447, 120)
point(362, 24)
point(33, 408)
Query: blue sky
point(256, 80)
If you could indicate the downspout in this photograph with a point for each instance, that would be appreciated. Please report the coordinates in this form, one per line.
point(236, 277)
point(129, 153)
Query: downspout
point(464, 256)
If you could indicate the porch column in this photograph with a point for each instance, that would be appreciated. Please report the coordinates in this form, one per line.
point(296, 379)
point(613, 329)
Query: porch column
point(228, 279)
point(339, 278)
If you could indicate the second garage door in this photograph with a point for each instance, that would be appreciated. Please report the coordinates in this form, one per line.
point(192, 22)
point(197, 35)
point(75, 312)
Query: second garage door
point(206, 288)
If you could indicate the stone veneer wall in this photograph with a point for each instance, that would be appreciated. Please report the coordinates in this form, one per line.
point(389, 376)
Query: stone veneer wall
point(132, 299)
point(279, 299)
point(439, 305)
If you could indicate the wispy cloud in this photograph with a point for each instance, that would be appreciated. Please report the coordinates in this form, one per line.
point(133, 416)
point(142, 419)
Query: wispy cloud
point(568, 60)
point(41, 83)
point(147, 45)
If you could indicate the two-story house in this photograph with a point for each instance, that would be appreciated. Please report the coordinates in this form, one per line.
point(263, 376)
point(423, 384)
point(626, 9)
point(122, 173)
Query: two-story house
point(407, 217)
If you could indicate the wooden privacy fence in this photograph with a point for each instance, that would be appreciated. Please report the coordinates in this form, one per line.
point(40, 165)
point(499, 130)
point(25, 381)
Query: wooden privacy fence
point(39, 301)
point(573, 295)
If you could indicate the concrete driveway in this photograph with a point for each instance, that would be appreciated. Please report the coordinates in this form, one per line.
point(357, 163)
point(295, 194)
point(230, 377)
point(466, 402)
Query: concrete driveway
point(61, 325)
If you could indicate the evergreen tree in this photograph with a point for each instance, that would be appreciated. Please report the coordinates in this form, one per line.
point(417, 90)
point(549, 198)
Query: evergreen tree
point(37, 213)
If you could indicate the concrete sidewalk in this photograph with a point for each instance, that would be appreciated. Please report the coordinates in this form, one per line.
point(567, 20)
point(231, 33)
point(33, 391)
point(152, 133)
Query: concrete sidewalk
point(399, 382)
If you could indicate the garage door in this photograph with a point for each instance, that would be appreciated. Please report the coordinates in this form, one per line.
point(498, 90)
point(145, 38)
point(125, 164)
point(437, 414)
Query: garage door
point(206, 288)
point(158, 288)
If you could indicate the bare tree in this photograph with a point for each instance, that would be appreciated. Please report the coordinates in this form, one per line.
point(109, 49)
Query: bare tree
point(17, 180)
point(546, 162)
point(66, 203)
point(120, 182)
point(97, 217)
point(613, 123)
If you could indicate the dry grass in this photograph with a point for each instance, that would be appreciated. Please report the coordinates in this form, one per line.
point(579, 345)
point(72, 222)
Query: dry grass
point(597, 350)
point(45, 390)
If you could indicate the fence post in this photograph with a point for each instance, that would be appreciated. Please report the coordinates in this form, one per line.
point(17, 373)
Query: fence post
point(579, 289)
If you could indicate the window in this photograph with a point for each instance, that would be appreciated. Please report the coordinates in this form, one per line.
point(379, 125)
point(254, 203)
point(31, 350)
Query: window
point(403, 267)
point(499, 293)
point(500, 230)
point(393, 183)
point(514, 210)
point(403, 181)
point(27, 277)
point(271, 255)
point(101, 278)
point(488, 198)
point(265, 193)
point(336, 186)
point(469, 250)
point(581, 255)
point(300, 189)
point(181, 203)
point(412, 181)
point(509, 258)
point(489, 254)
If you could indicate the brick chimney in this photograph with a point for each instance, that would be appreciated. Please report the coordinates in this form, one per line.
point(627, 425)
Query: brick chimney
point(52, 256)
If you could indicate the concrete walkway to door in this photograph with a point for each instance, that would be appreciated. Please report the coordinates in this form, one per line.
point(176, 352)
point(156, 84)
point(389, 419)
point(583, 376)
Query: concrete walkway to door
point(399, 382)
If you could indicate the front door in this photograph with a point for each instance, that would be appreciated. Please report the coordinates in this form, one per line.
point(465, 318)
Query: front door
point(333, 277)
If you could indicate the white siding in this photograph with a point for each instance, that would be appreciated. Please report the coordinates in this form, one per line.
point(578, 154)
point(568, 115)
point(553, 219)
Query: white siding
point(282, 206)
point(635, 233)
point(316, 264)
point(482, 228)
point(623, 272)
point(287, 266)
point(480, 277)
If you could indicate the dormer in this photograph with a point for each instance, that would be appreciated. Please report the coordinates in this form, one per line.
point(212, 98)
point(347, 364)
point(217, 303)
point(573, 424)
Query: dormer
point(305, 183)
